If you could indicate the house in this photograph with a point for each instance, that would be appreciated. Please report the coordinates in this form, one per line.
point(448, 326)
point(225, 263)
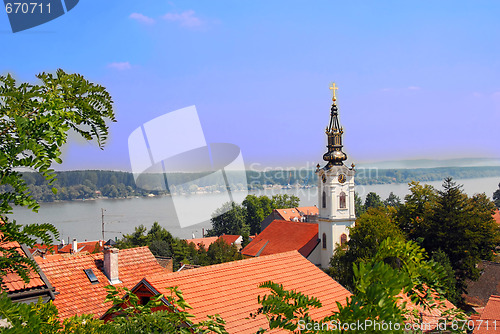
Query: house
point(231, 289)
point(488, 284)
point(19, 291)
point(79, 279)
point(284, 236)
point(291, 214)
point(74, 247)
point(489, 319)
point(207, 241)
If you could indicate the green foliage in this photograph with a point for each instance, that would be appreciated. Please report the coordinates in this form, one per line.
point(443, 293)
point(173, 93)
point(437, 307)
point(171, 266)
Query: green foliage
point(220, 252)
point(284, 201)
point(35, 121)
point(370, 230)
point(359, 208)
point(229, 219)
point(373, 201)
point(257, 208)
point(392, 200)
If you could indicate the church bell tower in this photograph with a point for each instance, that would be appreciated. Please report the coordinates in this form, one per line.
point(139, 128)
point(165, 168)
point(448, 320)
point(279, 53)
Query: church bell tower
point(335, 190)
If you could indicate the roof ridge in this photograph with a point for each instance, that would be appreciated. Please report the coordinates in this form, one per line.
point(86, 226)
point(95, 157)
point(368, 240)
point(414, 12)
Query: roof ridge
point(233, 263)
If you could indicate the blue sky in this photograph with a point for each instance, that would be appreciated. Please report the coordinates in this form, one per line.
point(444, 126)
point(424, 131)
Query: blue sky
point(417, 79)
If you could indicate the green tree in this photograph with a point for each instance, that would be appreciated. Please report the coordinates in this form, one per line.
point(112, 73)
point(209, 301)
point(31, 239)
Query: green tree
point(359, 208)
point(462, 227)
point(229, 219)
point(257, 208)
point(220, 252)
point(418, 207)
point(284, 201)
point(370, 230)
point(34, 125)
point(373, 201)
point(392, 200)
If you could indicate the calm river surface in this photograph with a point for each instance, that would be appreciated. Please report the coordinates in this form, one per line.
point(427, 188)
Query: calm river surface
point(82, 219)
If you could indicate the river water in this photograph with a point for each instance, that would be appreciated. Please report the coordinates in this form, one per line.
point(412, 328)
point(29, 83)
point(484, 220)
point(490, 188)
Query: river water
point(82, 219)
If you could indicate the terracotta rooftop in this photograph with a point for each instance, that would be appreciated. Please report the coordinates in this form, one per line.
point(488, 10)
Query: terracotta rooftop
point(77, 295)
point(206, 242)
point(230, 239)
point(478, 292)
point(490, 316)
point(496, 216)
point(309, 210)
point(283, 236)
point(12, 282)
point(230, 289)
point(289, 214)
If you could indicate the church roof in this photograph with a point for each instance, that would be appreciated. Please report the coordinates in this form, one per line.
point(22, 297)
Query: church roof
point(283, 236)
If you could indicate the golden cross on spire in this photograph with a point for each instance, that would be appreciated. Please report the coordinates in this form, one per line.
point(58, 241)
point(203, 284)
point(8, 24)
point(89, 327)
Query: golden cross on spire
point(334, 88)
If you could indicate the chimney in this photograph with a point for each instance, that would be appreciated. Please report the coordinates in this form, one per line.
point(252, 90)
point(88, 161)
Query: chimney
point(111, 265)
point(75, 246)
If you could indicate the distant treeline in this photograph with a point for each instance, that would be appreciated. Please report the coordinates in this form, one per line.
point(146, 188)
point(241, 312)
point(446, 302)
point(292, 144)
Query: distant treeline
point(87, 184)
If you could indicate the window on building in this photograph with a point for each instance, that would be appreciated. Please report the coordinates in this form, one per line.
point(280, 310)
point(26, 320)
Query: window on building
point(343, 239)
point(342, 199)
point(324, 240)
point(324, 199)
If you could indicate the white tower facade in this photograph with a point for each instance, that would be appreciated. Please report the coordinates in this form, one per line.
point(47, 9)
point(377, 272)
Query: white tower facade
point(335, 192)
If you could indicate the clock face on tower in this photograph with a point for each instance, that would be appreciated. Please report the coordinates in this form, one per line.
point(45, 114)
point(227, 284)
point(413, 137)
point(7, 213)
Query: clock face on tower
point(342, 178)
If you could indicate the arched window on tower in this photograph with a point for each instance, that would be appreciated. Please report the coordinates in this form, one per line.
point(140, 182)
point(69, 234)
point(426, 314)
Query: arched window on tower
point(343, 239)
point(342, 200)
point(324, 240)
point(324, 199)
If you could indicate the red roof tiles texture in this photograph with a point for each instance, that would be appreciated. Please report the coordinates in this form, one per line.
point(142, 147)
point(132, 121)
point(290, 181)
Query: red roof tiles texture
point(230, 289)
point(283, 236)
point(229, 239)
point(490, 317)
point(12, 282)
point(77, 295)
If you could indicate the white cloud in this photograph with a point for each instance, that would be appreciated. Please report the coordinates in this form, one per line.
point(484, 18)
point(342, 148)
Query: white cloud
point(142, 18)
point(413, 88)
point(185, 19)
point(120, 66)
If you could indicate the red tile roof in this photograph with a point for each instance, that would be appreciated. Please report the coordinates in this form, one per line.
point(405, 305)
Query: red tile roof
point(229, 239)
point(12, 282)
point(289, 214)
point(296, 214)
point(283, 236)
point(230, 289)
point(77, 295)
point(87, 246)
point(308, 210)
point(206, 242)
point(490, 316)
point(496, 216)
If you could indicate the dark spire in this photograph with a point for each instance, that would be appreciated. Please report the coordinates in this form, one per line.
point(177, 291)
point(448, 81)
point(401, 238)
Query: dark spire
point(334, 132)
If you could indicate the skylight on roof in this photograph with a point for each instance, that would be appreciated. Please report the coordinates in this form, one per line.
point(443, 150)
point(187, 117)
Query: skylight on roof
point(92, 277)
